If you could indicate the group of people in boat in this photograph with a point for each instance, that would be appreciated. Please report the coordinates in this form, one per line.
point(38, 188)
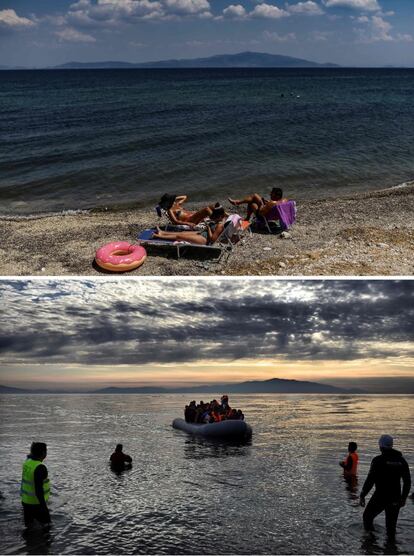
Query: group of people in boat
point(213, 217)
point(212, 412)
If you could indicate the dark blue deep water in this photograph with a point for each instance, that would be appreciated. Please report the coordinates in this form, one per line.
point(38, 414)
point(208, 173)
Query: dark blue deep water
point(104, 138)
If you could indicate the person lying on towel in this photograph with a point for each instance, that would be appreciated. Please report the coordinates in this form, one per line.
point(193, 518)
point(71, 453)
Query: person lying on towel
point(219, 220)
point(258, 205)
point(178, 215)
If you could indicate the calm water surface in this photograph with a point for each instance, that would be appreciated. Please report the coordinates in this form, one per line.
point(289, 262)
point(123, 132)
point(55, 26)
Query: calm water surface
point(80, 139)
point(282, 493)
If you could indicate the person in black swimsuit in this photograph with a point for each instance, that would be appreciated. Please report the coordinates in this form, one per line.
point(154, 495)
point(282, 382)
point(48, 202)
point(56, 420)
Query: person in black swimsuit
point(386, 473)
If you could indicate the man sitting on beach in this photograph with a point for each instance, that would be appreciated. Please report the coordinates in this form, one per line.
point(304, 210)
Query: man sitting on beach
point(258, 205)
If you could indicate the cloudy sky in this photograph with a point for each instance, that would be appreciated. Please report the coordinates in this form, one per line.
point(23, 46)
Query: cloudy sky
point(348, 32)
point(114, 332)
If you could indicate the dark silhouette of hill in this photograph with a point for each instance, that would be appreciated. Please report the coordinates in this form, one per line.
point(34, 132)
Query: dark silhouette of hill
point(272, 386)
point(241, 60)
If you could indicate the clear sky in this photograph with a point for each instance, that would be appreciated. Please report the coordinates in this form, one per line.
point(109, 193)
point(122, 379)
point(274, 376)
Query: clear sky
point(347, 32)
point(115, 332)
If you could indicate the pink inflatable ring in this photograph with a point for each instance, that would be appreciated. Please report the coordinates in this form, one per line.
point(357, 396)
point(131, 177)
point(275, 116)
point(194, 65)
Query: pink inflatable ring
point(120, 256)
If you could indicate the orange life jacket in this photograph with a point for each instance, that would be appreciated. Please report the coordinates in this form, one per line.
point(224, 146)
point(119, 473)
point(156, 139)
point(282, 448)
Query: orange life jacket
point(353, 470)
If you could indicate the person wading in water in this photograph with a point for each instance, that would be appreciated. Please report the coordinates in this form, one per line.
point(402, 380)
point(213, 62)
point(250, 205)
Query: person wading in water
point(35, 486)
point(386, 473)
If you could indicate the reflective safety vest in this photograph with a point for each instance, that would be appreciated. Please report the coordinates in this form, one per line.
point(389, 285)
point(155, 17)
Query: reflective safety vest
point(353, 470)
point(27, 491)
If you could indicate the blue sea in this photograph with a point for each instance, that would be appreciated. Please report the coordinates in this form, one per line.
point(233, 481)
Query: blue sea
point(84, 139)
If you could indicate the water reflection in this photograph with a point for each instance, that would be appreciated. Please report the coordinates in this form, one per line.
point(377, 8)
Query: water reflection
point(199, 448)
point(370, 544)
point(120, 470)
point(351, 487)
point(37, 540)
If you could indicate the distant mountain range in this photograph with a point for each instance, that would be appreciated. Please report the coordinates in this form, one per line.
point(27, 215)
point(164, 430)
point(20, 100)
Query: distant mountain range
point(241, 60)
point(272, 386)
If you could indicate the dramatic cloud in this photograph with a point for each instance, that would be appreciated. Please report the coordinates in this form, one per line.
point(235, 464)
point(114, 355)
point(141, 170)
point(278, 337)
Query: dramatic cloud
point(156, 322)
point(10, 20)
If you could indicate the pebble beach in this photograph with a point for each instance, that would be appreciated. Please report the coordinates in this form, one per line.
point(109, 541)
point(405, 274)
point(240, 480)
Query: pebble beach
point(364, 234)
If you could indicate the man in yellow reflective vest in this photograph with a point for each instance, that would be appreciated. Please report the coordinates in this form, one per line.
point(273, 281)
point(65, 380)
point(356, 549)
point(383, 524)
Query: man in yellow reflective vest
point(35, 487)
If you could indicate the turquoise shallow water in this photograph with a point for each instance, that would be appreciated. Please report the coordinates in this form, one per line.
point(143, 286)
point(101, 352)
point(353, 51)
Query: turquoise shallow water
point(283, 493)
point(81, 139)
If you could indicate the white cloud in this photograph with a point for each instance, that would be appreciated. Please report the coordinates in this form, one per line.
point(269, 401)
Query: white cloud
point(71, 35)
point(268, 11)
point(10, 20)
point(377, 29)
point(272, 36)
point(262, 10)
point(366, 5)
point(404, 37)
point(187, 6)
point(114, 13)
point(305, 8)
point(381, 28)
point(321, 36)
point(235, 11)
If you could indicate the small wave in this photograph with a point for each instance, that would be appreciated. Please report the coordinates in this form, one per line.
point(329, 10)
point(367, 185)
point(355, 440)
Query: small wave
point(403, 185)
point(41, 215)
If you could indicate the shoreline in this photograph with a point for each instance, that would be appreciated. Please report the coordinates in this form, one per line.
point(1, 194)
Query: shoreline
point(364, 234)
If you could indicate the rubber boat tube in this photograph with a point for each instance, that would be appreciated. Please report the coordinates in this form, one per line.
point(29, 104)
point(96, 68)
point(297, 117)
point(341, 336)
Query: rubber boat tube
point(120, 256)
point(231, 429)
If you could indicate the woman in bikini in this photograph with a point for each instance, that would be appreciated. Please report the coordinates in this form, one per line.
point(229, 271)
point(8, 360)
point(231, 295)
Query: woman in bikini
point(178, 215)
point(206, 237)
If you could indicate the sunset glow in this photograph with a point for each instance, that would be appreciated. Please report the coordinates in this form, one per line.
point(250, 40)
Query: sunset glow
point(83, 334)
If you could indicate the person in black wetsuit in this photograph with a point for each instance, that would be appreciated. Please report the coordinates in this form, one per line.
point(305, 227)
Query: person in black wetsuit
point(119, 459)
point(386, 472)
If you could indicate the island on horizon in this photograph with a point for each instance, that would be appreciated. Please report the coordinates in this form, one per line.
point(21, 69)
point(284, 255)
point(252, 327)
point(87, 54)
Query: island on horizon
point(270, 386)
point(240, 60)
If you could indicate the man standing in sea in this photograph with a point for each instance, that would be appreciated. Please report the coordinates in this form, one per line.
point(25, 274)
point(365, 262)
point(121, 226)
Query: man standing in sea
point(35, 487)
point(386, 473)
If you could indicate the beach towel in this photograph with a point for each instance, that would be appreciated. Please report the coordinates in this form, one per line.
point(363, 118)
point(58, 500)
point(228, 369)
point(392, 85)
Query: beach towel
point(232, 225)
point(287, 214)
point(280, 218)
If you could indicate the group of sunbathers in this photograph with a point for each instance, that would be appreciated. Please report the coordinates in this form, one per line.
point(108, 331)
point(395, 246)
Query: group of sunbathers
point(212, 412)
point(214, 217)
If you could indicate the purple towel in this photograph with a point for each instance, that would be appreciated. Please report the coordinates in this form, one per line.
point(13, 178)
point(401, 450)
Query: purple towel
point(287, 213)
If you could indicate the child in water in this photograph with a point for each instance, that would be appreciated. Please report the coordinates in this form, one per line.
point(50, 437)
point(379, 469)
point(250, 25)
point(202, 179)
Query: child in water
point(350, 463)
